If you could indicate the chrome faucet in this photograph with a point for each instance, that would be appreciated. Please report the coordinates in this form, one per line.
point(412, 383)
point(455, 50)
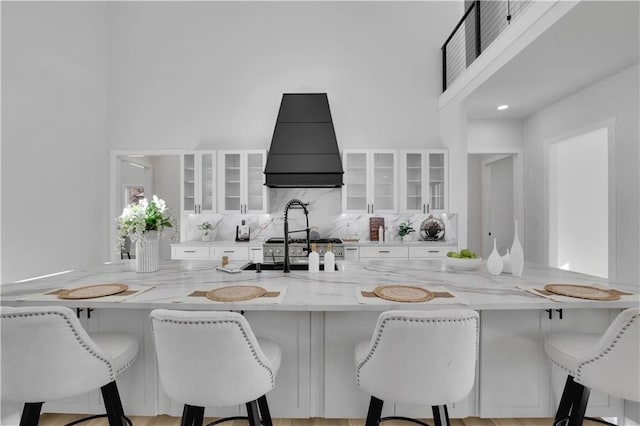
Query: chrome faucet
point(294, 204)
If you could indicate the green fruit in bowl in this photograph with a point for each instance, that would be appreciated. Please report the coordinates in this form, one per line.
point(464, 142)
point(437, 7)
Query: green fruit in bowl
point(466, 253)
point(454, 254)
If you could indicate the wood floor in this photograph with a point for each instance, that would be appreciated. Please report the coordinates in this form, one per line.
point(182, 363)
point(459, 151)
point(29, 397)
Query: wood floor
point(63, 419)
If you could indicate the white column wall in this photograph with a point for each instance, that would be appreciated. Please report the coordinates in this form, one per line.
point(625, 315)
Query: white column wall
point(54, 137)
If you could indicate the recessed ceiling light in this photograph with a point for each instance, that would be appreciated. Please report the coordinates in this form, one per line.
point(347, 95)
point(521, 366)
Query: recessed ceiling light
point(503, 107)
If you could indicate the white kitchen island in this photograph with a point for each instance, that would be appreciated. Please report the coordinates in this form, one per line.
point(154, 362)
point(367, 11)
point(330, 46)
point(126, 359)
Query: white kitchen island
point(319, 321)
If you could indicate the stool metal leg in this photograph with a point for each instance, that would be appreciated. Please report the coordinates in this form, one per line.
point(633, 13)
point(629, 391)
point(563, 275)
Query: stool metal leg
point(375, 410)
point(252, 412)
point(264, 411)
point(113, 404)
point(188, 415)
point(440, 415)
point(198, 416)
point(566, 400)
point(579, 405)
point(31, 414)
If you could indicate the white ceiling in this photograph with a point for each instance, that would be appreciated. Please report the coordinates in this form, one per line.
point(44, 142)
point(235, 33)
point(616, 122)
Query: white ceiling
point(592, 41)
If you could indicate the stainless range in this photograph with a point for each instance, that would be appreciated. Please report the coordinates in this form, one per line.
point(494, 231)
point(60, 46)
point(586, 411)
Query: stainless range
point(273, 249)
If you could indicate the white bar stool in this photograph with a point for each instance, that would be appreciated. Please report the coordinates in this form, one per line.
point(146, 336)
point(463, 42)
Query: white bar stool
point(419, 357)
point(609, 363)
point(47, 355)
point(213, 359)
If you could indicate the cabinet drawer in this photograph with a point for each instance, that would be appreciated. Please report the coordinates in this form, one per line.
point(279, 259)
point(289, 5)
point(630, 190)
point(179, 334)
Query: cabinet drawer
point(429, 252)
point(384, 252)
point(351, 253)
point(234, 253)
point(196, 252)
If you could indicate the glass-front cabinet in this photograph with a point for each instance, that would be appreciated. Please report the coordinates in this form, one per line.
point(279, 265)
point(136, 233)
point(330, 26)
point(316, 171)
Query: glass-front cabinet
point(198, 176)
point(371, 181)
point(423, 178)
point(241, 177)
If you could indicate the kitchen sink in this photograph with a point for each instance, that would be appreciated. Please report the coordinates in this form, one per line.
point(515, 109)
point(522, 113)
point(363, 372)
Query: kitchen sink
point(280, 266)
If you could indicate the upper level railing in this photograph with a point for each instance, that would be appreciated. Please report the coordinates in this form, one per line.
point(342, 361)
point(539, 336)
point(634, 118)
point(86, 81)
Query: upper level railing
point(481, 23)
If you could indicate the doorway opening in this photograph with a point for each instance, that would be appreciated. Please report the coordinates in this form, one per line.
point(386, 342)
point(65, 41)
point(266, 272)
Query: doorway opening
point(578, 201)
point(494, 201)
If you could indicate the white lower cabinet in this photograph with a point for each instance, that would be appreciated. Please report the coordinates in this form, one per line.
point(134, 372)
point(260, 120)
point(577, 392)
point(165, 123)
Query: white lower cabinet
point(190, 252)
point(240, 253)
point(516, 376)
point(232, 252)
point(384, 252)
point(430, 252)
point(351, 254)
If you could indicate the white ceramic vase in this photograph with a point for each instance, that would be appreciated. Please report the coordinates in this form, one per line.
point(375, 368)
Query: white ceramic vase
point(494, 261)
point(506, 263)
point(148, 252)
point(517, 254)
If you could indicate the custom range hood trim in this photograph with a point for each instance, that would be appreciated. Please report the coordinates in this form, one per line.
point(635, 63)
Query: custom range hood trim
point(304, 150)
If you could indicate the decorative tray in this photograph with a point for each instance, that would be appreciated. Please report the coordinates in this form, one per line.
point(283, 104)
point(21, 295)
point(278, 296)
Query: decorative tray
point(236, 293)
point(582, 292)
point(403, 293)
point(93, 291)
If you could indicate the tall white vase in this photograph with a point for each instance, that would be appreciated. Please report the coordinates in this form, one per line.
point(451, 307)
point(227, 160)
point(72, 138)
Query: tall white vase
point(148, 252)
point(494, 261)
point(517, 254)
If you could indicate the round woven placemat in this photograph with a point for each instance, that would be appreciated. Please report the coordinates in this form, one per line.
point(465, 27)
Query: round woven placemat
point(235, 293)
point(93, 291)
point(581, 292)
point(403, 293)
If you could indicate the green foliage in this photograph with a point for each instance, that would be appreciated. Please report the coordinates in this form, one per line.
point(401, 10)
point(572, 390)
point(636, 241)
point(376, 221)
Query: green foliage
point(405, 229)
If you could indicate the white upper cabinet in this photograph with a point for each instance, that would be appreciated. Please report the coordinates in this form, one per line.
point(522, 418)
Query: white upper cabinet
point(241, 176)
point(198, 176)
point(423, 181)
point(371, 181)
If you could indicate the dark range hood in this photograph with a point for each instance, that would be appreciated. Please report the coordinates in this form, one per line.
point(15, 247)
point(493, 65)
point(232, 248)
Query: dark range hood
point(304, 150)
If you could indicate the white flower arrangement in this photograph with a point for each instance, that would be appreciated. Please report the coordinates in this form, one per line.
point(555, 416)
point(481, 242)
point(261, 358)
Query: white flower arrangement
point(136, 219)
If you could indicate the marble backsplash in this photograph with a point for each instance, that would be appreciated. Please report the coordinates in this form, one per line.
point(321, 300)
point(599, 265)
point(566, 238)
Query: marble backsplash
point(325, 216)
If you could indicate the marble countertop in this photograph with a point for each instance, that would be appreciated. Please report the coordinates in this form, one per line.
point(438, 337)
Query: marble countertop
point(317, 292)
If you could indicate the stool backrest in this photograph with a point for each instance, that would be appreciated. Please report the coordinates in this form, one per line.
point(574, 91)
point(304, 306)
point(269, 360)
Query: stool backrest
point(421, 357)
point(209, 359)
point(46, 355)
point(614, 366)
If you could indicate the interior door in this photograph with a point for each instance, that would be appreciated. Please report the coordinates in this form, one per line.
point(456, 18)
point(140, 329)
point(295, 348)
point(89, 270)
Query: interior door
point(497, 176)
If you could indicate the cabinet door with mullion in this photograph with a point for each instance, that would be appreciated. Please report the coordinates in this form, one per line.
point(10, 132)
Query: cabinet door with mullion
point(355, 193)
point(437, 177)
point(207, 182)
point(423, 181)
point(384, 169)
point(242, 188)
point(197, 175)
point(189, 187)
point(371, 181)
point(255, 189)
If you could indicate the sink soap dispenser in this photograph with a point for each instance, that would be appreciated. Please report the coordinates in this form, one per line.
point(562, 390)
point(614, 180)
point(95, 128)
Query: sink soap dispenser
point(329, 260)
point(314, 260)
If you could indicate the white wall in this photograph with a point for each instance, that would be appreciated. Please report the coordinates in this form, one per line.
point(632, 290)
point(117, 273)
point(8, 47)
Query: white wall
point(54, 144)
point(211, 74)
point(82, 77)
point(615, 98)
point(494, 136)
